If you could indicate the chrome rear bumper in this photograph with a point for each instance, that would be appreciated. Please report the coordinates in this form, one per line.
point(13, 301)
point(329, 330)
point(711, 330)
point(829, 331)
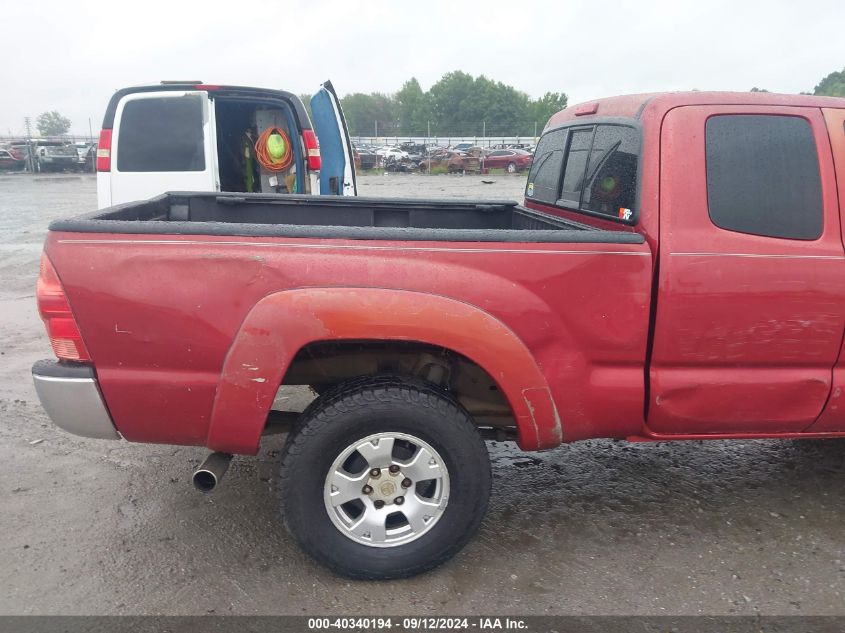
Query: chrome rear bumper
point(71, 397)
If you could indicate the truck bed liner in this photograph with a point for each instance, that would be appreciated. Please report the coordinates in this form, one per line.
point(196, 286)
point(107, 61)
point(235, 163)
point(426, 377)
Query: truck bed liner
point(261, 215)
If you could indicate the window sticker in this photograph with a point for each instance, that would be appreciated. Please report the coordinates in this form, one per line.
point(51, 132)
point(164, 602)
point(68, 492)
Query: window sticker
point(530, 190)
point(625, 214)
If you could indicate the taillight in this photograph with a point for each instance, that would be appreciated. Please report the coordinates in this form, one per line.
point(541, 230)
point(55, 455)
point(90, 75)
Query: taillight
point(58, 319)
point(312, 149)
point(104, 151)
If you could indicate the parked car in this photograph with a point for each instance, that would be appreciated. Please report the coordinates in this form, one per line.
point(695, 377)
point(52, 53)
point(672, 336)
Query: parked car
point(453, 161)
point(675, 274)
point(462, 147)
point(86, 152)
point(413, 148)
point(19, 150)
point(512, 160)
point(54, 156)
point(365, 159)
point(393, 163)
point(391, 152)
point(8, 162)
point(157, 138)
point(416, 152)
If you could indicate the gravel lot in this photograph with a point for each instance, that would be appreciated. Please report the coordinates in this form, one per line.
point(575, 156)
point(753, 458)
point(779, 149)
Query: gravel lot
point(598, 527)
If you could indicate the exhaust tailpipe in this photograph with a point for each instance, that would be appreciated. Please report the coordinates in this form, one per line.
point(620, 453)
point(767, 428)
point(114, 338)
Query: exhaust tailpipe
point(211, 471)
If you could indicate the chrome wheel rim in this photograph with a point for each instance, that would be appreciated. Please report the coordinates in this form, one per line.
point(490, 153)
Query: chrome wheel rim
point(386, 489)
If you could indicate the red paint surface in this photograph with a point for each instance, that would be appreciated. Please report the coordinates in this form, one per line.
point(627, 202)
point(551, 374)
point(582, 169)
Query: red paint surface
point(747, 327)
point(833, 416)
point(747, 336)
point(284, 322)
point(164, 318)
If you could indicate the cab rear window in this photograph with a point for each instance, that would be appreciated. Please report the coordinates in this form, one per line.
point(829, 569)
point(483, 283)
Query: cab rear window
point(591, 169)
point(161, 134)
point(547, 167)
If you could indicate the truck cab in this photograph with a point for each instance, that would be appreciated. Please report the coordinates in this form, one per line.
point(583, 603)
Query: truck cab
point(738, 198)
point(192, 136)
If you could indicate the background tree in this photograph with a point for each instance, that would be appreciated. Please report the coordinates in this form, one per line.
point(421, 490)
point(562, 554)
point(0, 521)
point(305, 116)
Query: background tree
point(451, 100)
point(542, 109)
point(461, 105)
point(832, 86)
point(503, 109)
point(458, 104)
point(366, 112)
point(52, 124)
point(411, 108)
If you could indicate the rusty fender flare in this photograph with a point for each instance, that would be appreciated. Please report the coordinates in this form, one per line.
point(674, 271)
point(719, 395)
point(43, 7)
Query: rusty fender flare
point(282, 323)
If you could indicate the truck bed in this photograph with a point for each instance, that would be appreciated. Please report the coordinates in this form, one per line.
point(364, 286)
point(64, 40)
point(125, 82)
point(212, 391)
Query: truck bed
point(165, 290)
point(194, 213)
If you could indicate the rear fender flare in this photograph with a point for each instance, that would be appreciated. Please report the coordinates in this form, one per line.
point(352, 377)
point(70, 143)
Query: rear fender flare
point(279, 325)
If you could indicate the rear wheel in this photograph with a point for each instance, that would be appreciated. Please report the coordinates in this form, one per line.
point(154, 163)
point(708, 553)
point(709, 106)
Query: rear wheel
point(384, 478)
point(511, 168)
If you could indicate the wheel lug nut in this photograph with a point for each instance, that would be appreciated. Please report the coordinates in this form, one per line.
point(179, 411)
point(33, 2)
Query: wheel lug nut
point(367, 489)
point(407, 483)
point(393, 469)
point(378, 504)
point(399, 500)
point(375, 472)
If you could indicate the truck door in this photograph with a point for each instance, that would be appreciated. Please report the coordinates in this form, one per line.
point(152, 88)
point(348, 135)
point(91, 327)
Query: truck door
point(337, 173)
point(163, 141)
point(751, 278)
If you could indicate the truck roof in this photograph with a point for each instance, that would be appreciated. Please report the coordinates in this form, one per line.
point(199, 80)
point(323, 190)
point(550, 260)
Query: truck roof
point(634, 106)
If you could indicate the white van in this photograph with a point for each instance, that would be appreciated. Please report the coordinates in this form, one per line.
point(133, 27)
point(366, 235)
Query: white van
point(191, 136)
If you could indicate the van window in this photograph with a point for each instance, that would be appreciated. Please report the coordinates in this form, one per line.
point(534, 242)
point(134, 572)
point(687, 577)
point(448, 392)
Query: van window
point(544, 177)
point(763, 176)
point(161, 134)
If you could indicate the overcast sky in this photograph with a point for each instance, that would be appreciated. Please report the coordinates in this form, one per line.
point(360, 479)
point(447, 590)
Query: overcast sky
point(71, 55)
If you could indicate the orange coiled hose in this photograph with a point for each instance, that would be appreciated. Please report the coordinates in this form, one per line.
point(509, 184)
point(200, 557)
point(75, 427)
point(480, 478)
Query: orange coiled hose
point(262, 154)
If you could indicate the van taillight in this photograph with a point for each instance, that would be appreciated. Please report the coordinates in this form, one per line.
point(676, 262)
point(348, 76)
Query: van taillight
point(58, 319)
point(104, 151)
point(311, 149)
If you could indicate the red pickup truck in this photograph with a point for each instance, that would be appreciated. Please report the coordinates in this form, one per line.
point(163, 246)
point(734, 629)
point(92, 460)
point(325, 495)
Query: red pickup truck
point(677, 272)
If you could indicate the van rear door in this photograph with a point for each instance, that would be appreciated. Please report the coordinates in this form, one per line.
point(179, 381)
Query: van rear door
point(337, 173)
point(162, 141)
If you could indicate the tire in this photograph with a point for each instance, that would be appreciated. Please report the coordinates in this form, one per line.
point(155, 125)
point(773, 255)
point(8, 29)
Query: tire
point(511, 168)
point(396, 423)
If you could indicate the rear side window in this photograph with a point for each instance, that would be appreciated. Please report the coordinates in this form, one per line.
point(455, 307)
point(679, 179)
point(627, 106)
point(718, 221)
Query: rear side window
point(577, 156)
point(763, 176)
point(591, 169)
point(611, 180)
point(161, 134)
point(544, 177)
